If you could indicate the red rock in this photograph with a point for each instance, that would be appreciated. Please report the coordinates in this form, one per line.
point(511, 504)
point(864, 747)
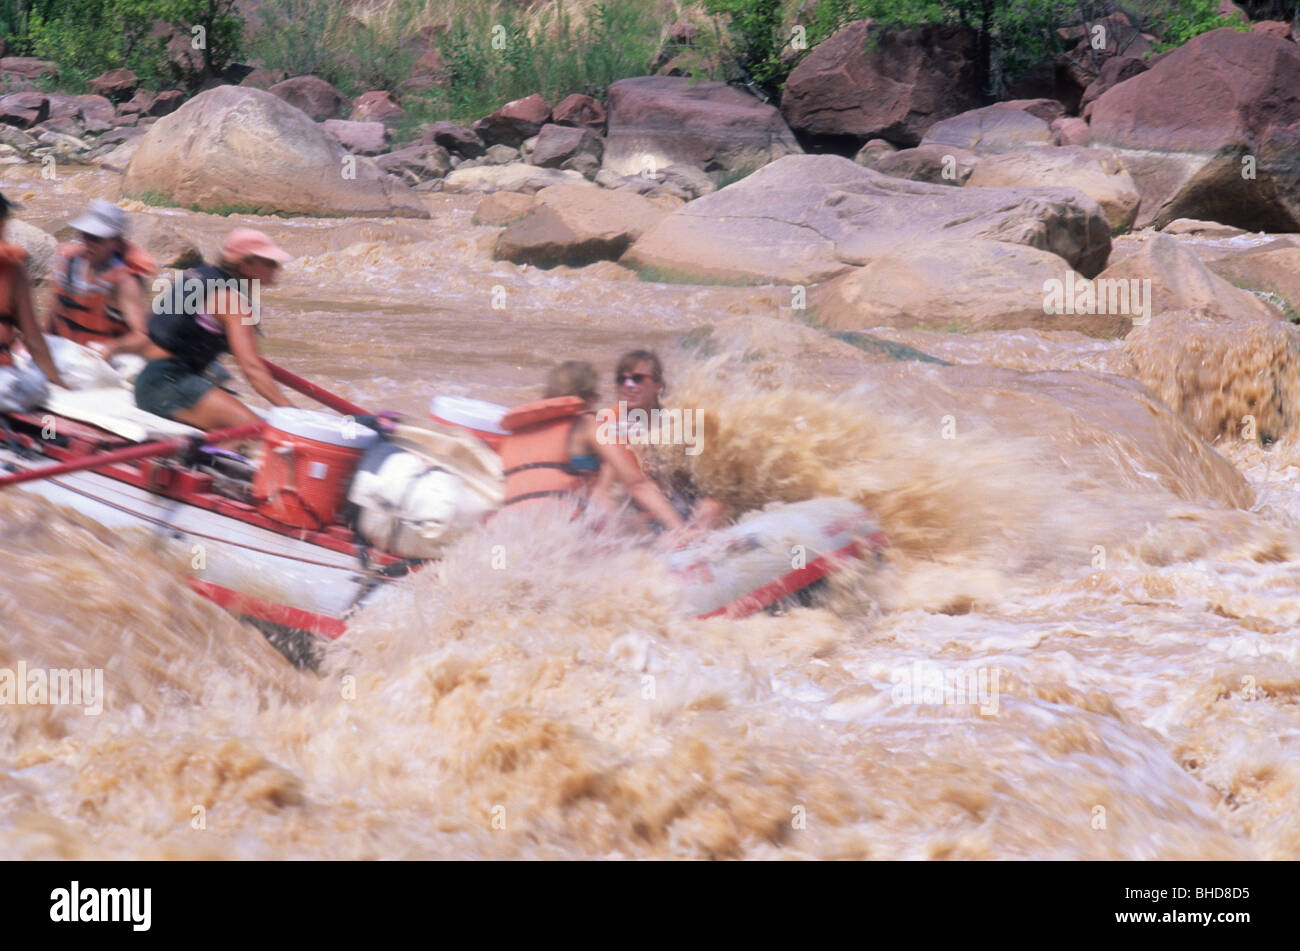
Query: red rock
point(556, 144)
point(312, 95)
point(1189, 121)
point(167, 101)
point(664, 120)
point(376, 106)
point(581, 111)
point(139, 103)
point(24, 109)
point(1049, 110)
point(116, 84)
point(514, 122)
point(28, 67)
point(368, 138)
point(865, 83)
point(454, 138)
point(63, 105)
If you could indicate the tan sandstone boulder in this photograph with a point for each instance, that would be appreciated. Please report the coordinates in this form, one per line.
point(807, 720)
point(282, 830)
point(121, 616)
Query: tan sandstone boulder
point(1178, 280)
point(237, 148)
point(955, 286)
point(807, 218)
point(1098, 173)
point(576, 225)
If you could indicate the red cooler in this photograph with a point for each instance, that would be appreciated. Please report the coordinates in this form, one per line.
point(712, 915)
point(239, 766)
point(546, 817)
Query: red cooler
point(307, 464)
point(479, 417)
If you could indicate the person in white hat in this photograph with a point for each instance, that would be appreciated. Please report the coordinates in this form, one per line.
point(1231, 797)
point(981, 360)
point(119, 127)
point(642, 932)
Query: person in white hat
point(99, 283)
point(215, 313)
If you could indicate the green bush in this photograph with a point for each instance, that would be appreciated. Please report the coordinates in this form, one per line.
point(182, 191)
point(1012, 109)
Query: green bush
point(89, 37)
point(354, 55)
point(494, 56)
point(1012, 34)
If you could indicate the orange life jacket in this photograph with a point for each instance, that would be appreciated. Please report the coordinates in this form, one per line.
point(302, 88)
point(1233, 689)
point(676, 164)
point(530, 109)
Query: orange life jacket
point(12, 258)
point(535, 454)
point(83, 308)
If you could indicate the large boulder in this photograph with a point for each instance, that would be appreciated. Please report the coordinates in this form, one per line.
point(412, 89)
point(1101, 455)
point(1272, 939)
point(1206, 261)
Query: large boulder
point(657, 121)
point(576, 225)
point(957, 286)
point(1272, 269)
point(807, 218)
point(313, 96)
point(514, 122)
point(234, 147)
point(991, 130)
point(1212, 131)
point(865, 83)
point(39, 245)
point(1097, 173)
point(1179, 280)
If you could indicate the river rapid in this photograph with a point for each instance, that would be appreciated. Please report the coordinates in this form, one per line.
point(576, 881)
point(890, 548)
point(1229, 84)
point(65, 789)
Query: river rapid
point(1126, 596)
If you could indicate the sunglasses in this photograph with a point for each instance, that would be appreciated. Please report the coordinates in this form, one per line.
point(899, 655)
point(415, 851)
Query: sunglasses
point(636, 379)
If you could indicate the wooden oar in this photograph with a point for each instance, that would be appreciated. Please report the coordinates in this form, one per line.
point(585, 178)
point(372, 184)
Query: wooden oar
point(144, 451)
point(307, 388)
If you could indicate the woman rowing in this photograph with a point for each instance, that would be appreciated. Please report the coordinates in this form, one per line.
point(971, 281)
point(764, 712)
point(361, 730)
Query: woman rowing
point(215, 316)
point(21, 388)
point(552, 452)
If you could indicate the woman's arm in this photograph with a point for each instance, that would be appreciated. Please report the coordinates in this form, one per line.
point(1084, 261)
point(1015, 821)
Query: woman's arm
point(644, 492)
point(30, 330)
point(244, 347)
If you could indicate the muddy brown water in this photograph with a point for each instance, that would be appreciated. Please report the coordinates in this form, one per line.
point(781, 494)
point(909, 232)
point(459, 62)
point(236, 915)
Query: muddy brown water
point(1121, 599)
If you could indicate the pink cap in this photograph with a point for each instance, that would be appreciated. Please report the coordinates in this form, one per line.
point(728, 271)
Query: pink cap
point(249, 243)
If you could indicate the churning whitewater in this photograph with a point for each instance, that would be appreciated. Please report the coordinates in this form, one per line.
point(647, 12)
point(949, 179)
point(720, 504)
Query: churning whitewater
point(1081, 643)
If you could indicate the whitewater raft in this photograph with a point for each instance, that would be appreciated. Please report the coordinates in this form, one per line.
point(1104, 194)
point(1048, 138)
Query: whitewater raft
point(298, 539)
